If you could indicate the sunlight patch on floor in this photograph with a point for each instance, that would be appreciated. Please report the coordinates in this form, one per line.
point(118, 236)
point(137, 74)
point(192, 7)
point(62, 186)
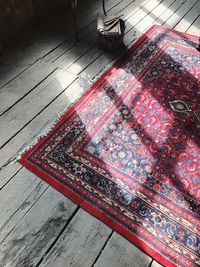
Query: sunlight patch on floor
point(132, 11)
point(65, 78)
point(194, 30)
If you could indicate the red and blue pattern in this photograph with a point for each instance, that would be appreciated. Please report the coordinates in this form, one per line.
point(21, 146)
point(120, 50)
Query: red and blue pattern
point(129, 150)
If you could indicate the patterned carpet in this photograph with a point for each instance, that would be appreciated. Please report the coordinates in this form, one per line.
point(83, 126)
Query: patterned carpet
point(129, 150)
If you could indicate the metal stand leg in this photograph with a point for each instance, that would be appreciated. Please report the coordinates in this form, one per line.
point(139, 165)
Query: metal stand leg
point(104, 9)
point(74, 15)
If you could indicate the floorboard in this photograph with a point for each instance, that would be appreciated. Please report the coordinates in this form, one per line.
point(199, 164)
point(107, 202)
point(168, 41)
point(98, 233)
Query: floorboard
point(80, 243)
point(37, 230)
point(194, 28)
point(189, 18)
point(46, 72)
point(119, 252)
point(37, 44)
point(30, 189)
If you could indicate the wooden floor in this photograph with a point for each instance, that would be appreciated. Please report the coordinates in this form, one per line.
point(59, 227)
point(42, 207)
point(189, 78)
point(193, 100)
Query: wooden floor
point(40, 76)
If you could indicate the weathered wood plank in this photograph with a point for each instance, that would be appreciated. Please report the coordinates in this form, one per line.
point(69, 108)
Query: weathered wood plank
point(119, 252)
point(27, 81)
point(176, 17)
point(33, 130)
point(49, 38)
point(173, 8)
point(44, 40)
point(18, 198)
point(189, 18)
point(152, 16)
point(21, 113)
point(37, 230)
point(10, 71)
point(165, 14)
point(79, 244)
point(141, 14)
point(194, 28)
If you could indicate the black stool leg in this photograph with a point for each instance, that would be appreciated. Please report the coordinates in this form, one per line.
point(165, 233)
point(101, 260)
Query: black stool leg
point(74, 15)
point(104, 9)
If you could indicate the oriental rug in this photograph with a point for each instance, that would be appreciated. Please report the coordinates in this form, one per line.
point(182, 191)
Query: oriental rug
point(128, 151)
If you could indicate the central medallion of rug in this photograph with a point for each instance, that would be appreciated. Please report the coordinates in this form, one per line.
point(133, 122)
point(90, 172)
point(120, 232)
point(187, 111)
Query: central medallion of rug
point(129, 150)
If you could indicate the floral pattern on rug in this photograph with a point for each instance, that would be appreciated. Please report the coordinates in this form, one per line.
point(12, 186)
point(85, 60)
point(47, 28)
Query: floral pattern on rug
point(131, 147)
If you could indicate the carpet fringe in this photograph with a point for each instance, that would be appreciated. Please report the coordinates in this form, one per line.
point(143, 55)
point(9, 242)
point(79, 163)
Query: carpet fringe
point(48, 127)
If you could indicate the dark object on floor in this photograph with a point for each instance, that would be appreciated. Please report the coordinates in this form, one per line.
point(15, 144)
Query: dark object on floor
point(110, 31)
point(104, 8)
point(1, 47)
point(198, 46)
point(73, 5)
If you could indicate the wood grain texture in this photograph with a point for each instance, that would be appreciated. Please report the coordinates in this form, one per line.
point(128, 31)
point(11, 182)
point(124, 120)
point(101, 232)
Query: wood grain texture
point(189, 18)
point(26, 244)
point(18, 198)
point(23, 84)
point(17, 117)
point(79, 244)
point(36, 44)
point(119, 252)
point(194, 28)
point(181, 12)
